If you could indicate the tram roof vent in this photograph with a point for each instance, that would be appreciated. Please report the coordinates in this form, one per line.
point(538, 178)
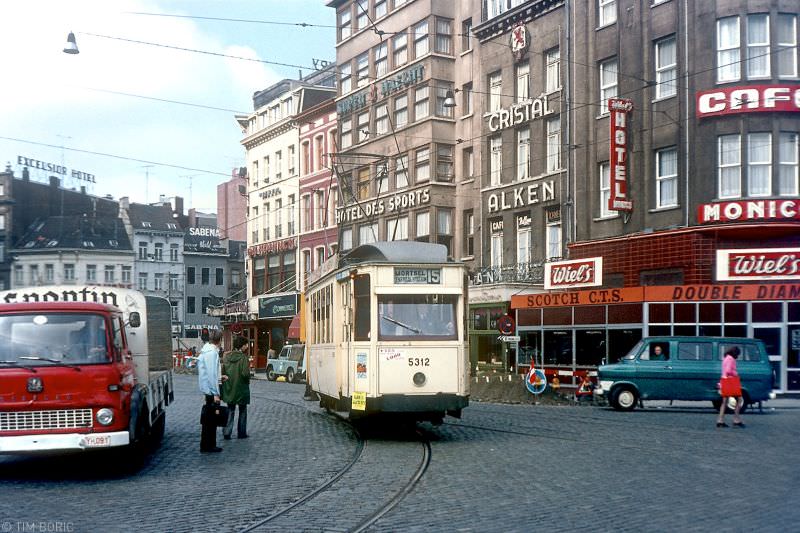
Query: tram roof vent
point(396, 252)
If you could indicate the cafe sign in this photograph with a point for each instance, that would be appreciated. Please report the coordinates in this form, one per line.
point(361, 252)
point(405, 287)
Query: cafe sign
point(575, 273)
point(272, 247)
point(403, 80)
point(758, 264)
point(750, 99)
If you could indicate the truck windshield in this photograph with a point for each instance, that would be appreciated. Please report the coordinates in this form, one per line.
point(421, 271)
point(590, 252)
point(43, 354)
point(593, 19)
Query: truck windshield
point(417, 316)
point(50, 339)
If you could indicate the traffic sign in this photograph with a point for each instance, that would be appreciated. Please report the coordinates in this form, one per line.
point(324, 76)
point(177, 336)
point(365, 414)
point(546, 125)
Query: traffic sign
point(506, 325)
point(509, 338)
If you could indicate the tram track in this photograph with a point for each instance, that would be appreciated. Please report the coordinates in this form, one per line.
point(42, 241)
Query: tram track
point(338, 490)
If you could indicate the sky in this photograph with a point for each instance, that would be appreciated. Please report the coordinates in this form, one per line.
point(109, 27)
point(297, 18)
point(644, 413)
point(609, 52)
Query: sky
point(69, 109)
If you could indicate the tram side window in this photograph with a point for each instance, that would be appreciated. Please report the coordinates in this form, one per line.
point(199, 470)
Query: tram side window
point(362, 308)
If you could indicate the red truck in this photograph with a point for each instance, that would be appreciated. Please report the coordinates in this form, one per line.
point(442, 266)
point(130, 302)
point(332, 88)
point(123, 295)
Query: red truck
point(83, 368)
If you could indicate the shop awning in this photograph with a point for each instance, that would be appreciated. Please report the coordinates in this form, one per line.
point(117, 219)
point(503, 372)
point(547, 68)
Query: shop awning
point(294, 327)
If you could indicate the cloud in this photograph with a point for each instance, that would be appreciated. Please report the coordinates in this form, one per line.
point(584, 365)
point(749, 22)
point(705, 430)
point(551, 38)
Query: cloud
point(46, 95)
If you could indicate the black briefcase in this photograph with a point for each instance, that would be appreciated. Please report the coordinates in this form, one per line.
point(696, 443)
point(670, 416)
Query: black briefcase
point(216, 414)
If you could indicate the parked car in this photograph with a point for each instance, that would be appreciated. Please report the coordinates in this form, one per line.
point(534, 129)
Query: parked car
point(291, 363)
point(684, 368)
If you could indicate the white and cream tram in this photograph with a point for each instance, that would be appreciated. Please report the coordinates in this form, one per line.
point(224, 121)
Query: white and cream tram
point(385, 332)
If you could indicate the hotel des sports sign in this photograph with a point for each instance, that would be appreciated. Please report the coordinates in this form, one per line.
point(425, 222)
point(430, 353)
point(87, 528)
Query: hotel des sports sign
point(663, 293)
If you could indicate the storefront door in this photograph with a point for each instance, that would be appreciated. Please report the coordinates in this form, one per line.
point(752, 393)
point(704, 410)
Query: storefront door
point(793, 358)
point(773, 335)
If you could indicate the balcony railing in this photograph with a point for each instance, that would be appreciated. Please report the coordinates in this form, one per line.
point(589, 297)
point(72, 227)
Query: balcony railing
point(512, 273)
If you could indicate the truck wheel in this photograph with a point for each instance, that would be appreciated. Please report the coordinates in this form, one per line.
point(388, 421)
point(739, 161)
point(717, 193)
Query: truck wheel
point(271, 373)
point(624, 399)
point(157, 431)
point(290, 375)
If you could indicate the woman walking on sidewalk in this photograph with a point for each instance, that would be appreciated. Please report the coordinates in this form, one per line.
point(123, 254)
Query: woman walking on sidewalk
point(236, 389)
point(729, 371)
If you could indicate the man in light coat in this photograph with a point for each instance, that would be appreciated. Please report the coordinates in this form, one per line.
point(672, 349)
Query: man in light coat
point(209, 377)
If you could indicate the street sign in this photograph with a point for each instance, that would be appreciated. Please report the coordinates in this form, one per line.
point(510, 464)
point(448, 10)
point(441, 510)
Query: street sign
point(509, 338)
point(505, 325)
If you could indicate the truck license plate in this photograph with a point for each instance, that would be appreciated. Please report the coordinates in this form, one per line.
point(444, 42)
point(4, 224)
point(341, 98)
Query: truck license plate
point(96, 441)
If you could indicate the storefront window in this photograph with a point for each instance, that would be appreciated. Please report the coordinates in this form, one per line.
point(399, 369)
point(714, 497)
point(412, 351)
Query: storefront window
point(558, 348)
point(620, 342)
point(590, 346)
point(767, 312)
point(735, 331)
point(530, 348)
point(711, 313)
point(735, 313)
point(685, 314)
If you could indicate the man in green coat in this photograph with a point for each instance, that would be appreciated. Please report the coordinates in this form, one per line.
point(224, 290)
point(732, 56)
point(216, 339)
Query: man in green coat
point(236, 389)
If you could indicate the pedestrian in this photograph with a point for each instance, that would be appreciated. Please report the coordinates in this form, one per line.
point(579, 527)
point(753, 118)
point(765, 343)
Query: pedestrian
point(209, 377)
point(729, 371)
point(236, 389)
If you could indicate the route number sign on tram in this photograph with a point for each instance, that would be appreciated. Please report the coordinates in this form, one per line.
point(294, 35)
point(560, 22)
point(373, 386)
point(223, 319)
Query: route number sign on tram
point(506, 325)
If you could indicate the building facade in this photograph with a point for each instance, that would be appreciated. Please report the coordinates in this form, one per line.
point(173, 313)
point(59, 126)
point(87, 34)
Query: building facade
point(319, 189)
point(232, 206)
point(6, 219)
point(158, 239)
point(272, 144)
point(73, 250)
point(680, 209)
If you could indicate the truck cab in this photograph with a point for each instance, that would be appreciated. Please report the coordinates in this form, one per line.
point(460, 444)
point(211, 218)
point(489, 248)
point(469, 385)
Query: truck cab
point(69, 379)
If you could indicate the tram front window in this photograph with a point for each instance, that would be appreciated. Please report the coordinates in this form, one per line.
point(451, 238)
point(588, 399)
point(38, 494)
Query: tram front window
point(417, 316)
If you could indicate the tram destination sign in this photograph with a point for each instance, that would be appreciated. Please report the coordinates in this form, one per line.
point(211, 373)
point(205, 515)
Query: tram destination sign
point(417, 276)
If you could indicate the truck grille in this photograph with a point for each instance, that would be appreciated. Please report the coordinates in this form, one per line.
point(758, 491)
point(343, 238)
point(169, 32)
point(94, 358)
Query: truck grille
point(61, 419)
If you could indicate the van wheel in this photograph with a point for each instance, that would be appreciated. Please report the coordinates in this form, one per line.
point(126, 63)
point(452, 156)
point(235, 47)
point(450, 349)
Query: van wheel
point(624, 399)
point(271, 373)
point(731, 408)
point(290, 376)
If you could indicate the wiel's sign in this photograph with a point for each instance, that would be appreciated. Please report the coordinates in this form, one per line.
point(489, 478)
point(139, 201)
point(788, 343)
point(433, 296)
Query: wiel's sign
point(758, 264)
point(576, 273)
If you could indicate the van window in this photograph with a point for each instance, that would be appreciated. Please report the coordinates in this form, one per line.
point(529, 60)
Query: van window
point(656, 351)
point(748, 352)
point(695, 351)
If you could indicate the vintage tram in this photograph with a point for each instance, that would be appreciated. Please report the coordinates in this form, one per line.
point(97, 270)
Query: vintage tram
point(386, 332)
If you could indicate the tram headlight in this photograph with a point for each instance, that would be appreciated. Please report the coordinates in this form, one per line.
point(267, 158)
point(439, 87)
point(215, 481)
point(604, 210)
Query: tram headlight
point(419, 379)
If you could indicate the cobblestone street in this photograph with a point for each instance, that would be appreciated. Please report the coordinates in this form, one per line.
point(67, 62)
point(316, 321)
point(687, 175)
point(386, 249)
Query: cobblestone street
point(500, 468)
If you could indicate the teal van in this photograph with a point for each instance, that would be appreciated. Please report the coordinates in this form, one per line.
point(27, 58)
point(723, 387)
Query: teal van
point(684, 368)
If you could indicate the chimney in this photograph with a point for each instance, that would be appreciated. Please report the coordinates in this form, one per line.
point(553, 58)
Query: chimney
point(83, 189)
point(26, 174)
point(179, 205)
point(54, 182)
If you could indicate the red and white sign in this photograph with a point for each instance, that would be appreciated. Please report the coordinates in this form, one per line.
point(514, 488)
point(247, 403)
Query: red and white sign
point(619, 109)
point(519, 41)
point(748, 210)
point(266, 248)
point(758, 264)
point(576, 273)
point(749, 99)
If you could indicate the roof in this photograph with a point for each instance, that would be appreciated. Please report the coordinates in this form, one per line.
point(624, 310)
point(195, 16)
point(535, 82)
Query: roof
point(153, 218)
point(396, 252)
point(76, 232)
point(56, 306)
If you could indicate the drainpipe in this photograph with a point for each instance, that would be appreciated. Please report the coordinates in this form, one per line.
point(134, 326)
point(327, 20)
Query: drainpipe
point(686, 106)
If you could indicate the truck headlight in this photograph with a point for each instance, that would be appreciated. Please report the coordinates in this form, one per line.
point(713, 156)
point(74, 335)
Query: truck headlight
point(104, 416)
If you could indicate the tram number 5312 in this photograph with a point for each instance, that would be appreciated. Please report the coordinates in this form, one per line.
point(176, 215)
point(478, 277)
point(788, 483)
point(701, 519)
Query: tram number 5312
point(419, 361)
